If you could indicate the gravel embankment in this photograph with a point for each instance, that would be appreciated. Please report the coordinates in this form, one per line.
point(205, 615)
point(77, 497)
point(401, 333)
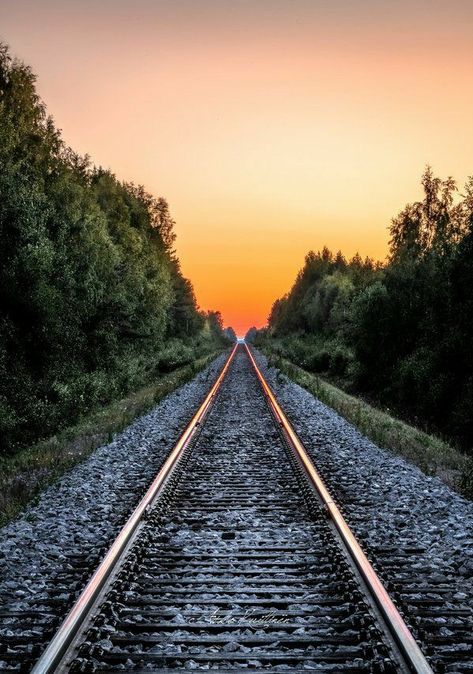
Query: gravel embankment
point(80, 515)
point(415, 528)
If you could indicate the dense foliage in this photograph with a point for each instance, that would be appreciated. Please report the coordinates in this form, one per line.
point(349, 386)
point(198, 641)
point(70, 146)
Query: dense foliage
point(93, 302)
point(402, 332)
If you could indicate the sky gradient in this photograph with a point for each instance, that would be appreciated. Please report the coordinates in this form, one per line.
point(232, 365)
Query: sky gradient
point(271, 127)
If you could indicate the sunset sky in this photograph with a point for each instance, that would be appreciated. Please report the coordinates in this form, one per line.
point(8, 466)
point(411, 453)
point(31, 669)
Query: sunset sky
point(272, 127)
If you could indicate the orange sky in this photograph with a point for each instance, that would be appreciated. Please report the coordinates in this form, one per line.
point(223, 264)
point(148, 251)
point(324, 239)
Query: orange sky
point(272, 127)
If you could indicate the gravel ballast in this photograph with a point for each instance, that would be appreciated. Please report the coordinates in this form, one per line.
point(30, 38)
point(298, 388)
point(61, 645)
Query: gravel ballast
point(418, 531)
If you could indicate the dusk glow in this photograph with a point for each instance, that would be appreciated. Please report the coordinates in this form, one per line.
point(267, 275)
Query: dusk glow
point(271, 127)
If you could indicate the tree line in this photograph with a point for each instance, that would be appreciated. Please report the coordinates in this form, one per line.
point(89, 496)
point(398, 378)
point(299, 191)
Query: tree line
point(401, 332)
point(92, 299)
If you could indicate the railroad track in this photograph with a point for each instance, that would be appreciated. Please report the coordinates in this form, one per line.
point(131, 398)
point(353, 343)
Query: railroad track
point(237, 557)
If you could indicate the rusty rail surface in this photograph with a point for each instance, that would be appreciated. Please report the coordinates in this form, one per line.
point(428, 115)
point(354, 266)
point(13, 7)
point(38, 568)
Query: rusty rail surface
point(400, 631)
point(56, 649)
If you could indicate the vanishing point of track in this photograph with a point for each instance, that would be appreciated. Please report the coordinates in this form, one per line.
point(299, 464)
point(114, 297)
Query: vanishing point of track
point(236, 558)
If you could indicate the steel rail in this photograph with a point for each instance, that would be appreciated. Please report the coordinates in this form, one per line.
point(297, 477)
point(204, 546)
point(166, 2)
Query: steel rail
point(57, 648)
point(400, 631)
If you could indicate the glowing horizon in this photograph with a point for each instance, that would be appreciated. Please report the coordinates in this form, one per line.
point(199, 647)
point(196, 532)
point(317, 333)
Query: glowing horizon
point(271, 128)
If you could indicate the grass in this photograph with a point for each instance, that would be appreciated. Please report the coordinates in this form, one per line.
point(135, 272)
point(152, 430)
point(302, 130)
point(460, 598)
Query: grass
point(25, 474)
point(431, 454)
